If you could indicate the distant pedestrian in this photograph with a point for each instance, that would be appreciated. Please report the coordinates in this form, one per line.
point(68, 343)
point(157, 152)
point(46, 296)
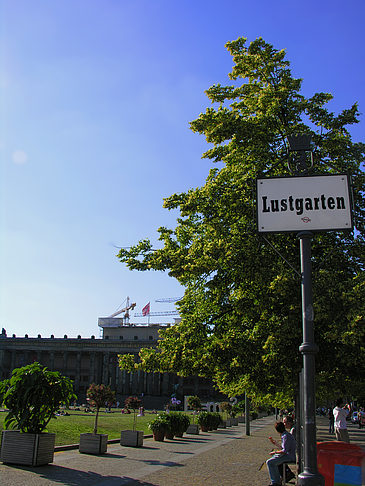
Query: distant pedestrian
point(331, 421)
point(340, 414)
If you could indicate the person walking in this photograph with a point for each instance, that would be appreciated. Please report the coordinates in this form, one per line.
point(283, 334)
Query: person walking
point(340, 414)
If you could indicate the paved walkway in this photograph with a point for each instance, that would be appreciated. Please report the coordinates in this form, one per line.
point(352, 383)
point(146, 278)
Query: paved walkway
point(223, 457)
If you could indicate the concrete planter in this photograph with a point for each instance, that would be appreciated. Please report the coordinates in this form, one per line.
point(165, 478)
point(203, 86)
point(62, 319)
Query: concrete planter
point(192, 429)
point(131, 438)
point(27, 449)
point(159, 435)
point(93, 443)
point(169, 435)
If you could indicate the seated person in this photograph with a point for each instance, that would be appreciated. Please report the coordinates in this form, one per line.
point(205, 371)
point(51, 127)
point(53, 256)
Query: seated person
point(290, 427)
point(285, 454)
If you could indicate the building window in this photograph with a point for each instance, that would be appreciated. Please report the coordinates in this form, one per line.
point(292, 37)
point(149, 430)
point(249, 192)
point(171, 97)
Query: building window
point(150, 338)
point(120, 337)
point(136, 338)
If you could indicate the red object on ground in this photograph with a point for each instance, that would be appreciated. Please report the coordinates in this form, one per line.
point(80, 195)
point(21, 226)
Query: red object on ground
point(340, 464)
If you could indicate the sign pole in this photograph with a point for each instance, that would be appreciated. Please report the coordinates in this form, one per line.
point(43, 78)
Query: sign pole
point(247, 414)
point(309, 476)
point(303, 204)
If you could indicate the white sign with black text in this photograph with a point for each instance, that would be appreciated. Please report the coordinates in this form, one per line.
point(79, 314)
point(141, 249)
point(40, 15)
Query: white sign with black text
point(316, 203)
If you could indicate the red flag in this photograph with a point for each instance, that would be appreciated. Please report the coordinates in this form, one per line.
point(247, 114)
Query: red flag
point(146, 309)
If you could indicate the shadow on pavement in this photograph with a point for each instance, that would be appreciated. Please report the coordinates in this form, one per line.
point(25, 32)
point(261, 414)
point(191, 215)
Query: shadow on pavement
point(135, 482)
point(73, 477)
point(154, 462)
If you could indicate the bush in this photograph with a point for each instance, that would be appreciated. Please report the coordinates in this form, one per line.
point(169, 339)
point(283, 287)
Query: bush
point(226, 407)
point(194, 402)
point(33, 395)
point(159, 423)
point(179, 422)
point(204, 419)
point(216, 419)
point(184, 422)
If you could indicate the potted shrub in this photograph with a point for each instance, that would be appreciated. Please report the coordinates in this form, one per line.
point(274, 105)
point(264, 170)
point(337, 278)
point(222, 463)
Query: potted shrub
point(94, 443)
point(132, 438)
point(227, 408)
point(178, 424)
point(183, 424)
point(240, 406)
point(159, 425)
point(33, 395)
point(204, 420)
point(215, 420)
point(194, 402)
point(233, 412)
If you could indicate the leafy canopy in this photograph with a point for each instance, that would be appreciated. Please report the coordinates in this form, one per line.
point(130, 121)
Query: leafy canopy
point(241, 310)
point(99, 396)
point(134, 403)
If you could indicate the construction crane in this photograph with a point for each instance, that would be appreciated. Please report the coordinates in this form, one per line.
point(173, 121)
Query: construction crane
point(169, 299)
point(164, 313)
point(125, 310)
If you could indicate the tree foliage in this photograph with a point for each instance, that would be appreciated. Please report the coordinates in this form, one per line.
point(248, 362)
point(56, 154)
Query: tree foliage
point(241, 310)
point(134, 403)
point(99, 396)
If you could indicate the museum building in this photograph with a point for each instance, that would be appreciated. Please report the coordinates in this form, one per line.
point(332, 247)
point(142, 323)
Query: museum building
point(95, 360)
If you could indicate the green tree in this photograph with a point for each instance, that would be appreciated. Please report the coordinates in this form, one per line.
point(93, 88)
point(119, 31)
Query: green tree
point(99, 396)
point(241, 310)
point(134, 403)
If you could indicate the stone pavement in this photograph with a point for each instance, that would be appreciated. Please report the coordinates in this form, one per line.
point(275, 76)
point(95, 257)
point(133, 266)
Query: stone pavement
point(223, 457)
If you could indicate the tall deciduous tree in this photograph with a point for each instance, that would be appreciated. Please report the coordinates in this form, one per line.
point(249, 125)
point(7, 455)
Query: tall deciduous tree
point(241, 311)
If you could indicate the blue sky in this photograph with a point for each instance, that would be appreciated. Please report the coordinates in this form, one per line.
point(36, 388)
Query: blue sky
point(95, 102)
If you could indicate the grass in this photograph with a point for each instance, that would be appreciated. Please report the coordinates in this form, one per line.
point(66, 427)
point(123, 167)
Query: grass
point(69, 427)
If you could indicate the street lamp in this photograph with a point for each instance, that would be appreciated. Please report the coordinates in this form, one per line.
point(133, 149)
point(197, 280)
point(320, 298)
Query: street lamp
point(300, 145)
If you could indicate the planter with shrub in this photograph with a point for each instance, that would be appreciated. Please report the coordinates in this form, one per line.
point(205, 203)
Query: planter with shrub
point(158, 426)
point(132, 438)
point(94, 443)
point(204, 420)
point(183, 425)
point(194, 402)
point(32, 395)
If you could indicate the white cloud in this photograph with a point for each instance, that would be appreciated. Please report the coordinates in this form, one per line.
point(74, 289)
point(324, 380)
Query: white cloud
point(19, 157)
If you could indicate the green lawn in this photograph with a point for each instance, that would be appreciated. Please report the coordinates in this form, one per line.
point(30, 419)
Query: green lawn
point(69, 428)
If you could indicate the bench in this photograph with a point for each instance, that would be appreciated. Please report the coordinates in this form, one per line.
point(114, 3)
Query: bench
point(284, 470)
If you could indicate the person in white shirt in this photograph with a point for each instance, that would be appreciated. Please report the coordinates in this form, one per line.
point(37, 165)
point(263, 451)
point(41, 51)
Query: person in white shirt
point(340, 414)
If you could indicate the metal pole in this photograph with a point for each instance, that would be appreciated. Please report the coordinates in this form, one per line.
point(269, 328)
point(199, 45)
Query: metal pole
point(247, 414)
point(309, 476)
point(299, 438)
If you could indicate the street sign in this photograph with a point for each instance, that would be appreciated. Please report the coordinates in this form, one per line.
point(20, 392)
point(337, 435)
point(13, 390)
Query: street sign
point(307, 203)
